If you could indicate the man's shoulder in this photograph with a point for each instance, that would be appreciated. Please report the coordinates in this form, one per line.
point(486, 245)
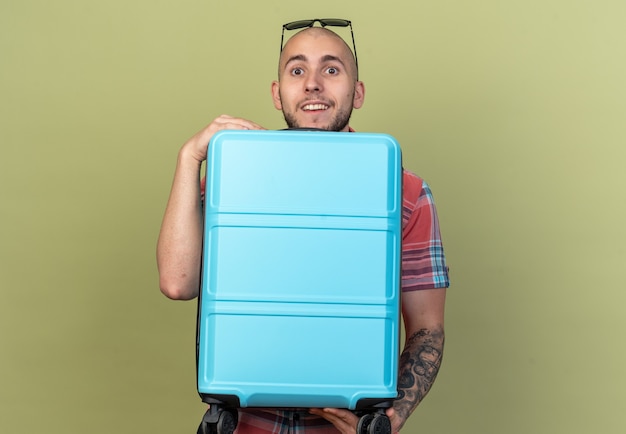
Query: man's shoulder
point(411, 184)
point(407, 174)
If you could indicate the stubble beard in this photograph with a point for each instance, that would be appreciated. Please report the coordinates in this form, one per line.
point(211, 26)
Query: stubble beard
point(337, 123)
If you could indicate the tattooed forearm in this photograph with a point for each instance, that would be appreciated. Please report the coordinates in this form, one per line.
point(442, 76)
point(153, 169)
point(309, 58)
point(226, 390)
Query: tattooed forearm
point(419, 365)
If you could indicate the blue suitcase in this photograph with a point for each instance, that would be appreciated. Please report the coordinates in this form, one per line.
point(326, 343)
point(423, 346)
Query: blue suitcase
point(299, 304)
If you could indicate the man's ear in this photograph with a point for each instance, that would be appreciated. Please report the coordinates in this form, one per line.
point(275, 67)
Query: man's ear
point(359, 95)
point(276, 95)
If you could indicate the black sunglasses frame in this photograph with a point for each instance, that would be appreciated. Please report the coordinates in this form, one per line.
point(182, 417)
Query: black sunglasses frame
point(324, 22)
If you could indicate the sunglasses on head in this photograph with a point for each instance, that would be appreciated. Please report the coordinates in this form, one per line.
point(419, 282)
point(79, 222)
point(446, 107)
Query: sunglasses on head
point(324, 22)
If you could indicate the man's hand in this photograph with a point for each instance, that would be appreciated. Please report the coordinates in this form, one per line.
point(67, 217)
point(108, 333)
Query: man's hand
point(197, 145)
point(396, 421)
point(344, 420)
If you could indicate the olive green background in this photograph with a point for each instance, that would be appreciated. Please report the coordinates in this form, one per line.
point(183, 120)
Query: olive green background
point(514, 111)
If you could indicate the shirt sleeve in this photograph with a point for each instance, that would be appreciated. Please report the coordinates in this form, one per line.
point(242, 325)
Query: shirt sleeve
point(202, 191)
point(423, 260)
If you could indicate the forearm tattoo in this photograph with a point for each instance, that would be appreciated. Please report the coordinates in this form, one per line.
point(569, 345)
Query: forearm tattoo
point(419, 365)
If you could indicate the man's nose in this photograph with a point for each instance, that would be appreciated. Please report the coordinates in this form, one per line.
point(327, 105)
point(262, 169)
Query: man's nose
point(313, 83)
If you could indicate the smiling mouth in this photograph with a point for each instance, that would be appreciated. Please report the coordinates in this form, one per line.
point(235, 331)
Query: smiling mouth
point(314, 107)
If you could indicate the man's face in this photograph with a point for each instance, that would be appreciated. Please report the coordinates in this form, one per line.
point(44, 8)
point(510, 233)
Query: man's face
point(317, 86)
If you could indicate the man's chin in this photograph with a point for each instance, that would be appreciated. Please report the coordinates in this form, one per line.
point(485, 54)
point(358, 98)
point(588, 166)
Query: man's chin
point(315, 127)
point(309, 125)
point(339, 124)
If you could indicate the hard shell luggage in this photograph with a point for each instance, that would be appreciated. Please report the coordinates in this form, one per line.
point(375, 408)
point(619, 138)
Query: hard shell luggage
point(299, 303)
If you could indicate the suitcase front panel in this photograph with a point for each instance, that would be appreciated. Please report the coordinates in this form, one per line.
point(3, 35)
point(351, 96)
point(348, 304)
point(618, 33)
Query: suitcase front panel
point(357, 270)
point(299, 303)
point(287, 354)
point(311, 174)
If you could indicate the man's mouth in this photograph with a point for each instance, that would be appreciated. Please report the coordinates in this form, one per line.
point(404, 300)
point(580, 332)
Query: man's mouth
point(313, 107)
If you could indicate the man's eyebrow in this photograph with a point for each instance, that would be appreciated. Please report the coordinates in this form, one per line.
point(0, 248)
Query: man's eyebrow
point(296, 57)
point(331, 58)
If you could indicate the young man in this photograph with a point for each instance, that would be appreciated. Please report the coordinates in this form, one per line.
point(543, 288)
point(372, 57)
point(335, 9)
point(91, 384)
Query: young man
point(318, 87)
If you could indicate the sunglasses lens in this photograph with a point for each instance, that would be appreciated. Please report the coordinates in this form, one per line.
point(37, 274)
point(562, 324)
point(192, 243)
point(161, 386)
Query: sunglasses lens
point(335, 22)
point(298, 24)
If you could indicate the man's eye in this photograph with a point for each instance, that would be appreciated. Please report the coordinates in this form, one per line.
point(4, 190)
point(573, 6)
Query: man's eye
point(297, 71)
point(332, 70)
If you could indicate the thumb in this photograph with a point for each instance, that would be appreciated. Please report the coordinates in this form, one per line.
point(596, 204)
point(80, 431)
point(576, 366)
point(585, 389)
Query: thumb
point(396, 424)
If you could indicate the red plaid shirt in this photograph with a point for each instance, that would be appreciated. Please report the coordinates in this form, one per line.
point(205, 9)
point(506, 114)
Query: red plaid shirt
point(423, 261)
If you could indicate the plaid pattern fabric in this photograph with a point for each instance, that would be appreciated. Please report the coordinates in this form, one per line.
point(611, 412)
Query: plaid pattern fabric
point(423, 260)
point(266, 421)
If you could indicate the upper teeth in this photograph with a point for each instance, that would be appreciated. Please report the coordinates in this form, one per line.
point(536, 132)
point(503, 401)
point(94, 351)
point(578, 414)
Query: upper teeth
point(315, 107)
